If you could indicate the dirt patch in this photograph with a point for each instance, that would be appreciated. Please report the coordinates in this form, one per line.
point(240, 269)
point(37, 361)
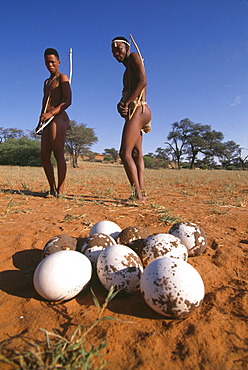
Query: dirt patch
point(213, 337)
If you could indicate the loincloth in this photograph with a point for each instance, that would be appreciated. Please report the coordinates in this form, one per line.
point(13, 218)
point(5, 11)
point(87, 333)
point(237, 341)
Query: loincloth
point(132, 108)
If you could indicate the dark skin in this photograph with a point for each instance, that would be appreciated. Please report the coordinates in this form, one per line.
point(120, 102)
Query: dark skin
point(53, 136)
point(134, 81)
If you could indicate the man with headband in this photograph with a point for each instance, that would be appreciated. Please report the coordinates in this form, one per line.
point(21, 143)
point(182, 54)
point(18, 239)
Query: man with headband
point(137, 114)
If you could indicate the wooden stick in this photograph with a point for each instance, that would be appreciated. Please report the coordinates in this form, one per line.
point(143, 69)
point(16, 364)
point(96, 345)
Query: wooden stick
point(140, 96)
point(44, 125)
point(70, 75)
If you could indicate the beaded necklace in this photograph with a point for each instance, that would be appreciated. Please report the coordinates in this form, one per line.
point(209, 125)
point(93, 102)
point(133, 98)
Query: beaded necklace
point(49, 81)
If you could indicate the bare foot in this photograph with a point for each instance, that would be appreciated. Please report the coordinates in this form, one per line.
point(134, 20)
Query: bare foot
point(132, 201)
point(51, 194)
point(142, 200)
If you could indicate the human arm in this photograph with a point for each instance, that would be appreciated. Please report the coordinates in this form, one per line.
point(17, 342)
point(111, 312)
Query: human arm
point(65, 101)
point(135, 82)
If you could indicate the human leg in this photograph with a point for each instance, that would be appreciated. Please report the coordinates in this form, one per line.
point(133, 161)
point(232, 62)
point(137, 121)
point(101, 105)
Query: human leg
point(57, 136)
point(46, 151)
point(139, 162)
point(131, 151)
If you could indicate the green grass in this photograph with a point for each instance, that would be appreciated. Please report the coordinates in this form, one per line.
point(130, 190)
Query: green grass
point(168, 218)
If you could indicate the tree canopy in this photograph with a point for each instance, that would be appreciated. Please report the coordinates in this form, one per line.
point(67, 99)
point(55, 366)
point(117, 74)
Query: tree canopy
point(113, 152)
point(10, 133)
point(79, 140)
point(189, 139)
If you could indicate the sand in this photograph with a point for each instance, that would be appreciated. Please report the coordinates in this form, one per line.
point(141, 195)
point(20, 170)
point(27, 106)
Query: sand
point(215, 336)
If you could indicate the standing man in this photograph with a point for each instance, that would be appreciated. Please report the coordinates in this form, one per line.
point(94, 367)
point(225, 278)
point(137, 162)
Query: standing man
point(57, 98)
point(134, 109)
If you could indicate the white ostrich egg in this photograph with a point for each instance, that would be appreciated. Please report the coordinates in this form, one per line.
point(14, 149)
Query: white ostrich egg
point(192, 236)
point(172, 287)
point(106, 227)
point(120, 266)
point(62, 275)
point(162, 245)
point(93, 246)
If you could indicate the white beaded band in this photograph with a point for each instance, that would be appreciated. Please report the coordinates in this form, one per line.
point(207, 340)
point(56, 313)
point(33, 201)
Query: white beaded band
point(115, 41)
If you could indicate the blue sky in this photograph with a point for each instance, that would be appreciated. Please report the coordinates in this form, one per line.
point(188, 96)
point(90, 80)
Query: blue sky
point(195, 51)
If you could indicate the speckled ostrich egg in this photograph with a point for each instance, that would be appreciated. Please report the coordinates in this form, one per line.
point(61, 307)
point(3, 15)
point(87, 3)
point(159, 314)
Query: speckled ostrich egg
point(106, 227)
point(192, 236)
point(62, 275)
point(95, 244)
point(172, 287)
point(162, 245)
point(59, 243)
point(120, 266)
point(133, 237)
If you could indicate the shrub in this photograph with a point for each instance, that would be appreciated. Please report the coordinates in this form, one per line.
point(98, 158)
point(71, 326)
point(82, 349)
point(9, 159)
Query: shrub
point(21, 152)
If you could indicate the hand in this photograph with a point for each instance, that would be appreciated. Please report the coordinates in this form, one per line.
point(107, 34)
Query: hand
point(45, 116)
point(122, 109)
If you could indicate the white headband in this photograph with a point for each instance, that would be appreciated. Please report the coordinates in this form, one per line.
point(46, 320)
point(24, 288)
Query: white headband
point(125, 42)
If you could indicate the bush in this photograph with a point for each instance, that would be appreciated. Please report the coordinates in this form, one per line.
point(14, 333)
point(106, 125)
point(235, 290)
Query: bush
point(20, 152)
point(151, 162)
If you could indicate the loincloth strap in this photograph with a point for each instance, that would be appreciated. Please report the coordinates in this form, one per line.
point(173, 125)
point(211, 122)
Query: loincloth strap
point(133, 106)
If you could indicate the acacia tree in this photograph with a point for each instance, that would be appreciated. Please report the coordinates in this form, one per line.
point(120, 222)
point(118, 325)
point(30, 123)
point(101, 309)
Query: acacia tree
point(193, 138)
point(79, 140)
point(162, 156)
point(10, 133)
point(113, 152)
point(202, 139)
point(242, 160)
point(228, 153)
point(176, 142)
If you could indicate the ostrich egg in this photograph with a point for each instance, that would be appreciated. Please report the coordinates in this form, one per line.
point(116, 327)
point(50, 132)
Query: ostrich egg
point(59, 243)
point(62, 275)
point(106, 227)
point(192, 236)
point(95, 244)
point(172, 287)
point(120, 266)
point(162, 245)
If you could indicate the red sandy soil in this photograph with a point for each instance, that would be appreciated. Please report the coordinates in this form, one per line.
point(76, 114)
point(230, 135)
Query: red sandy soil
point(215, 336)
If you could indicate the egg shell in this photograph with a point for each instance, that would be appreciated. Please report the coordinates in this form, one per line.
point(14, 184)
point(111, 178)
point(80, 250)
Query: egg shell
point(106, 227)
point(120, 266)
point(62, 275)
point(192, 236)
point(133, 237)
point(172, 287)
point(80, 242)
point(95, 244)
point(59, 243)
point(162, 245)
